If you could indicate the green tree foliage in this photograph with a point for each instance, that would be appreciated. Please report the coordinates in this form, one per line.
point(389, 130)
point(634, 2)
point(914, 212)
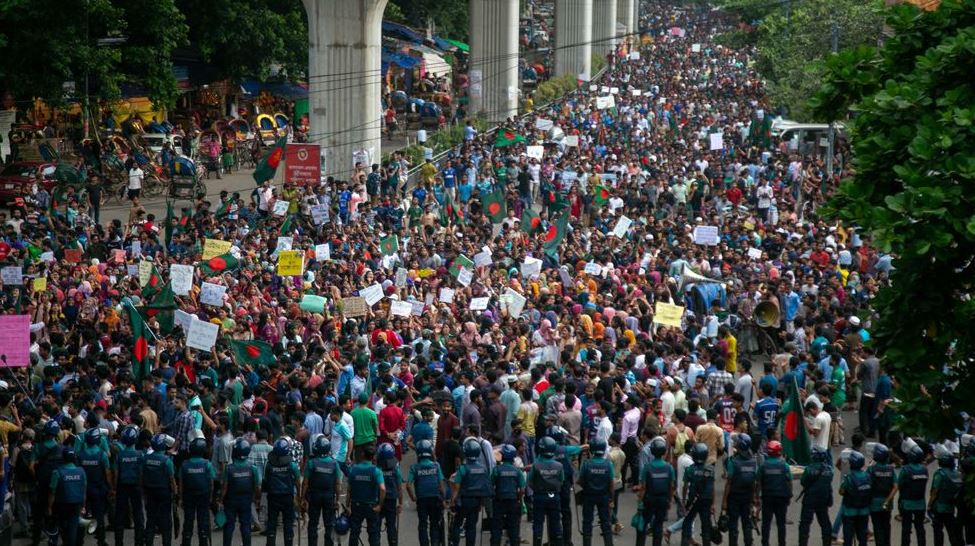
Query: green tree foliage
point(914, 143)
point(46, 43)
point(451, 17)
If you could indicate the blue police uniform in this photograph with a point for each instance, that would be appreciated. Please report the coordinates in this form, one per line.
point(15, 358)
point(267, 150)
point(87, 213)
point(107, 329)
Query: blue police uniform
point(856, 506)
point(596, 479)
point(817, 485)
point(508, 483)
point(658, 478)
point(392, 479)
point(882, 478)
point(742, 471)
point(68, 485)
point(546, 480)
point(94, 461)
point(699, 478)
point(47, 456)
point(364, 482)
point(427, 477)
point(280, 479)
point(321, 475)
point(241, 478)
point(475, 486)
point(564, 454)
point(157, 471)
point(196, 477)
point(128, 495)
point(912, 482)
point(775, 478)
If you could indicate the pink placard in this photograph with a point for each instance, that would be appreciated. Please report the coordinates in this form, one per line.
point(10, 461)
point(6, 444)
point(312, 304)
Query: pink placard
point(15, 340)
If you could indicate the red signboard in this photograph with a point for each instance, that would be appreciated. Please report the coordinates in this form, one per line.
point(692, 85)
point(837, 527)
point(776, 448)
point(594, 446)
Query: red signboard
point(302, 164)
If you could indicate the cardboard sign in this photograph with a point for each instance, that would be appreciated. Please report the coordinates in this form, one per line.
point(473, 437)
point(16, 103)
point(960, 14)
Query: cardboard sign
point(118, 256)
point(717, 141)
point(482, 259)
point(622, 226)
point(323, 253)
point(419, 306)
point(12, 275)
point(291, 263)
point(354, 307)
point(545, 124)
point(372, 294)
point(215, 247)
point(447, 295)
point(479, 304)
point(535, 152)
point(465, 277)
point(515, 302)
point(145, 271)
point(706, 235)
point(40, 284)
point(72, 255)
point(281, 207)
point(303, 164)
point(667, 314)
point(634, 55)
point(312, 303)
point(181, 277)
point(695, 48)
point(565, 277)
point(183, 319)
point(755, 253)
point(212, 294)
point(401, 309)
point(284, 243)
point(202, 335)
point(319, 214)
point(15, 340)
point(571, 141)
point(400, 277)
point(531, 267)
point(592, 268)
point(603, 103)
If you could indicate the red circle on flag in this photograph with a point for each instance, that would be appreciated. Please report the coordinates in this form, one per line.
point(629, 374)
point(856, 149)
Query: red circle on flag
point(536, 222)
point(791, 426)
point(253, 351)
point(494, 208)
point(274, 158)
point(217, 263)
point(141, 349)
point(551, 233)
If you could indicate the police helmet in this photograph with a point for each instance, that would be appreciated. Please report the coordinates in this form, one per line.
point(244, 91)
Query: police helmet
point(242, 448)
point(547, 447)
point(472, 449)
point(158, 442)
point(743, 445)
point(386, 456)
point(198, 447)
point(69, 456)
point(881, 454)
point(130, 435)
point(915, 454)
point(699, 453)
point(857, 460)
point(282, 447)
point(820, 455)
point(424, 449)
point(321, 447)
point(52, 428)
point(597, 448)
point(946, 460)
point(556, 433)
point(508, 453)
point(93, 436)
point(342, 525)
point(658, 447)
point(774, 448)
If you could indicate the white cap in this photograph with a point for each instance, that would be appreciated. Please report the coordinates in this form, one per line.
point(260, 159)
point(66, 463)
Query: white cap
point(855, 320)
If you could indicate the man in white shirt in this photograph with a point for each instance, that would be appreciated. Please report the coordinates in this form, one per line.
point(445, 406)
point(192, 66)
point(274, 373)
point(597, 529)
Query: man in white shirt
point(667, 401)
point(604, 425)
point(818, 423)
point(265, 197)
point(136, 176)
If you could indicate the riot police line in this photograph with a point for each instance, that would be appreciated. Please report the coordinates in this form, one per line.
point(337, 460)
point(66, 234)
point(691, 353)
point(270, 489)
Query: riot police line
point(148, 489)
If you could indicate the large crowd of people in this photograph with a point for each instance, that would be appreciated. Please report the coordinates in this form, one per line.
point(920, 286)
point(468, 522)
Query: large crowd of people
point(508, 318)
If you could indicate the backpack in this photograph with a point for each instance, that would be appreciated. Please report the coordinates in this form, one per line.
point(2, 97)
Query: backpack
point(682, 438)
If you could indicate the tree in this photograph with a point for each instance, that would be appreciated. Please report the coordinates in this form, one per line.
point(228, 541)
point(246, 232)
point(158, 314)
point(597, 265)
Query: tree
point(914, 142)
point(451, 17)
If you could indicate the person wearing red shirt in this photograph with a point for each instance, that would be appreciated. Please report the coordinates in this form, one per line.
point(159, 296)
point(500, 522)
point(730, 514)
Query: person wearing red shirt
point(819, 256)
point(392, 422)
point(734, 195)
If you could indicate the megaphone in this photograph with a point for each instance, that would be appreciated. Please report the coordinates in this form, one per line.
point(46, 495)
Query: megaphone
point(766, 314)
point(689, 277)
point(89, 525)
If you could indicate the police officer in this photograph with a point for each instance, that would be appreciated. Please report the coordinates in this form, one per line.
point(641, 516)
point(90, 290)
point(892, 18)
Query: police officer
point(856, 490)
point(817, 496)
point(738, 490)
point(281, 482)
point(128, 494)
point(596, 480)
point(158, 479)
point(425, 485)
point(508, 483)
point(393, 480)
point(657, 484)
point(319, 489)
point(966, 511)
point(881, 488)
point(47, 457)
point(67, 500)
point(367, 492)
point(196, 477)
point(946, 488)
point(564, 454)
point(241, 488)
point(546, 479)
point(698, 495)
point(774, 484)
point(471, 486)
point(912, 482)
point(98, 475)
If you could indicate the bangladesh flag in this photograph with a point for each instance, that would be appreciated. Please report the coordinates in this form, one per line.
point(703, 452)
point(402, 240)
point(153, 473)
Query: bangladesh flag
point(555, 233)
point(217, 265)
point(795, 440)
point(153, 285)
point(288, 226)
point(140, 344)
point(389, 245)
point(162, 307)
point(495, 206)
point(460, 261)
point(556, 201)
point(507, 137)
point(451, 212)
point(530, 221)
point(601, 196)
point(253, 353)
point(224, 209)
point(269, 163)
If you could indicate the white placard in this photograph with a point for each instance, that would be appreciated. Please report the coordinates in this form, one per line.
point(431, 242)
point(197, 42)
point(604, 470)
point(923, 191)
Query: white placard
point(695, 48)
point(372, 294)
point(12, 274)
point(755, 253)
point(544, 124)
point(706, 235)
point(717, 141)
point(418, 307)
point(565, 277)
point(136, 249)
point(535, 152)
point(604, 89)
point(184, 319)
point(572, 141)
point(48, 257)
point(465, 276)
point(614, 90)
point(482, 259)
point(181, 277)
point(202, 335)
point(446, 295)
point(145, 272)
point(622, 226)
point(760, 114)
point(132, 270)
point(319, 214)
point(634, 55)
point(602, 103)
point(323, 252)
point(401, 309)
point(516, 303)
point(284, 243)
point(531, 267)
point(212, 294)
point(592, 268)
point(636, 92)
point(479, 304)
point(281, 207)
point(400, 277)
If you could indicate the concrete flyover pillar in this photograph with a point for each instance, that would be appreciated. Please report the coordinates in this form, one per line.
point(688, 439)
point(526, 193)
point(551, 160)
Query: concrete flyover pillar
point(604, 26)
point(573, 37)
point(494, 58)
point(345, 81)
point(626, 14)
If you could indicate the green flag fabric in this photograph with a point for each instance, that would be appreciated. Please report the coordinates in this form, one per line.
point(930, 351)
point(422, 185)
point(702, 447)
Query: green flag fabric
point(389, 245)
point(495, 206)
point(450, 212)
point(795, 439)
point(460, 261)
point(530, 221)
point(507, 137)
point(140, 344)
point(253, 353)
point(163, 307)
point(217, 265)
point(601, 195)
point(269, 163)
point(153, 285)
point(555, 233)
